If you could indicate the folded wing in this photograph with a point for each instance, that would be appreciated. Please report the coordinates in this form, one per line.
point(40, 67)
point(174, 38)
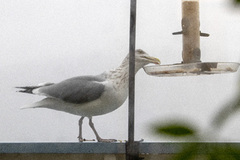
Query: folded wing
point(75, 90)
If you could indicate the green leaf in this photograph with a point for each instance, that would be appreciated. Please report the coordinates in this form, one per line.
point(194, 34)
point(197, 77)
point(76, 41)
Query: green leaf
point(174, 129)
point(237, 1)
point(189, 152)
point(227, 111)
point(234, 152)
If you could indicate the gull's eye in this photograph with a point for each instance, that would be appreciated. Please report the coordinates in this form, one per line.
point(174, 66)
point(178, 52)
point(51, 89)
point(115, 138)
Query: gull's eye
point(140, 51)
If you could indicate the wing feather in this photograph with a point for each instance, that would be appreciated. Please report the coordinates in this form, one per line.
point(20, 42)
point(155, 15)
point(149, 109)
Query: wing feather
point(75, 90)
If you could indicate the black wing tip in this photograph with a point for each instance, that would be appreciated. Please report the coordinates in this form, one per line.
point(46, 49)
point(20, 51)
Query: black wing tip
point(24, 91)
point(27, 89)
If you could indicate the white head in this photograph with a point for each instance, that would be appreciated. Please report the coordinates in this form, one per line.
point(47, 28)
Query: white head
point(142, 58)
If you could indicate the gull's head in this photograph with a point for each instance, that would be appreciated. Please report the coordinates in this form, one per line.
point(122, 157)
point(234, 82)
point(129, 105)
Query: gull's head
point(142, 58)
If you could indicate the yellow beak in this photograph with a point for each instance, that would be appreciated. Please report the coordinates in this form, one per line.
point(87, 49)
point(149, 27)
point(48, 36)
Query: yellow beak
point(154, 60)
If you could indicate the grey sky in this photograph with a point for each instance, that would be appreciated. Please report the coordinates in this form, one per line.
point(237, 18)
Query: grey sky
point(49, 41)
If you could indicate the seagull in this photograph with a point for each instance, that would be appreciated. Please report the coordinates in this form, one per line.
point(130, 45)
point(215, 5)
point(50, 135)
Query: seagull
point(90, 95)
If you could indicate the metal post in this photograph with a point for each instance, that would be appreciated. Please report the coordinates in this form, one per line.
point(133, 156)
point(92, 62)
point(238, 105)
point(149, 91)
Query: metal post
point(132, 148)
point(132, 71)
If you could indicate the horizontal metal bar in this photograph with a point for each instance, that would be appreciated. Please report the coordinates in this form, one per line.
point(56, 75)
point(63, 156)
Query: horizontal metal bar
point(62, 147)
point(100, 148)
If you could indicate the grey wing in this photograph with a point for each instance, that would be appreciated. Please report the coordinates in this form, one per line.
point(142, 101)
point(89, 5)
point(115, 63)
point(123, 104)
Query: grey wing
point(75, 90)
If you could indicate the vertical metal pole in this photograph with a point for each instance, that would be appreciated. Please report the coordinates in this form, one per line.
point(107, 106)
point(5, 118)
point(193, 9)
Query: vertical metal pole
point(132, 71)
point(132, 148)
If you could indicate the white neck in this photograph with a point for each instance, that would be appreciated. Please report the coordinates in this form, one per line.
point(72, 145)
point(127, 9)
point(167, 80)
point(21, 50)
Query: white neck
point(125, 65)
point(120, 75)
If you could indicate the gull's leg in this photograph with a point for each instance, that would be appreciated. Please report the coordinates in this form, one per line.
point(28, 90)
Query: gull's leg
point(99, 139)
point(80, 122)
point(80, 138)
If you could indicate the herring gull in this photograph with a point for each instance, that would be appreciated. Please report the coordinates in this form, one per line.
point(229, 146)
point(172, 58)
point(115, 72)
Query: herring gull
point(89, 96)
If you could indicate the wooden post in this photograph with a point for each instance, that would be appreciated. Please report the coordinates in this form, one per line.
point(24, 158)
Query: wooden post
point(190, 29)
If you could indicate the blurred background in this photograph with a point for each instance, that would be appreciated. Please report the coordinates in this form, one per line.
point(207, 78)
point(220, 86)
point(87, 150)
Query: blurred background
point(49, 41)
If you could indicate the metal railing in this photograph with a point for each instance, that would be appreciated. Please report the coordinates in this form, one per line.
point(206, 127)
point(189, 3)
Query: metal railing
point(104, 148)
point(146, 150)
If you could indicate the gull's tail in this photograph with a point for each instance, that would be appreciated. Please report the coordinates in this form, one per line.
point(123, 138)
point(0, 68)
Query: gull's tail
point(30, 90)
point(33, 105)
point(28, 107)
point(40, 104)
point(52, 103)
